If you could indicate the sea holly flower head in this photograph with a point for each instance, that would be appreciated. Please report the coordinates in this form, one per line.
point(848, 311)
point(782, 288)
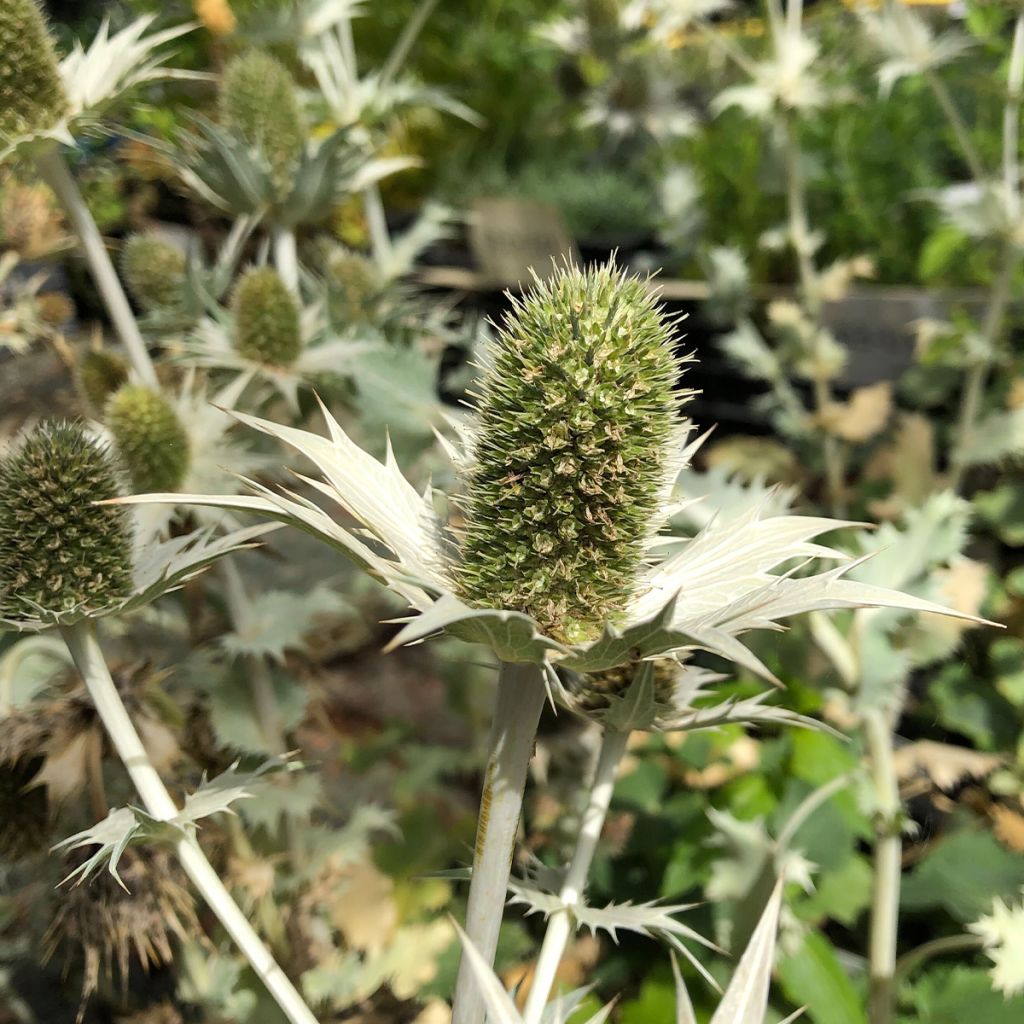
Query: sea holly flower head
point(63, 556)
point(153, 270)
point(43, 102)
point(149, 437)
point(577, 417)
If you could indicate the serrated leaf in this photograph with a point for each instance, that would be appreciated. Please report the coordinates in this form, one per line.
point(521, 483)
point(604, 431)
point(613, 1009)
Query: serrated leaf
point(277, 621)
point(998, 436)
point(111, 837)
point(962, 994)
point(216, 795)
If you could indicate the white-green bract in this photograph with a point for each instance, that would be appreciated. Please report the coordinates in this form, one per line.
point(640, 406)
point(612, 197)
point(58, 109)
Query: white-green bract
point(745, 1000)
point(94, 76)
point(726, 581)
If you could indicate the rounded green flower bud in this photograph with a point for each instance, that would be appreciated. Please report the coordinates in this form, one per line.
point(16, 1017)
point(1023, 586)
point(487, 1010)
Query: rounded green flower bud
point(266, 319)
point(259, 102)
point(98, 374)
point(154, 271)
point(23, 809)
point(150, 438)
point(577, 431)
point(31, 92)
point(353, 282)
point(60, 552)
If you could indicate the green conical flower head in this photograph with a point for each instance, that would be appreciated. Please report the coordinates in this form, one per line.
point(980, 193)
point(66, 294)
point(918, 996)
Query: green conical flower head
point(58, 550)
point(31, 92)
point(98, 374)
point(266, 319)
point(578, 428)
point(353, 283)
point(260, 103)
point(154, 271)
point(150, 438)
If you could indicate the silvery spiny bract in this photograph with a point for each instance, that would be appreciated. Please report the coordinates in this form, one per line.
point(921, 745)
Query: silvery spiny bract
point(586, 586)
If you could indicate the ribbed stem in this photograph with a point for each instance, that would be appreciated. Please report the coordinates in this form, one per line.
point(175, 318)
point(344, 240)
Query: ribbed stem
point(517, 710)
point(560, 923)
point(88, 657)
point(286, 257)
point(53, 169)
point(888, 867)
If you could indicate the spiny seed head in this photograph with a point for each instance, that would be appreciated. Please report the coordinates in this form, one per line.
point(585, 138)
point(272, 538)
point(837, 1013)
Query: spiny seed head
point(23, 810)
point(31, 92)
point(353, 283)
point(150, 438)
point(58, 551)
point(154, 271)
point(98, 374)
point(592, 691)
point(266, 319)
point(259, 102)
point(578, 426)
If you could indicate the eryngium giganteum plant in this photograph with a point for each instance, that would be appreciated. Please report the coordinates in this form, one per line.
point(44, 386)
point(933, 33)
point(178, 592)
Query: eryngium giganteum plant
point(153, 270)
point(568, 470)
point(64, 558)
point(32, 94)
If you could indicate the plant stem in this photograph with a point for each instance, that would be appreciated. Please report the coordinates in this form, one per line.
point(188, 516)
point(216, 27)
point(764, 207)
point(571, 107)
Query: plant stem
point(936, 947)
point(53, 169)
point(800, 237)
point(286, 257)
point(560, 923)
point(888, 855)
point(517, 710)
point(88, 657)
point(963, 136)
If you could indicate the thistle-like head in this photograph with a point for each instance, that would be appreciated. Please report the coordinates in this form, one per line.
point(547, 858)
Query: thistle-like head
point(58, 550)
point(154, 271)
point(98, 374)
point(267, 328)
point(150, 438)
point(353, 283)
point(259, 102)
point(32, 95)
point(577, 434)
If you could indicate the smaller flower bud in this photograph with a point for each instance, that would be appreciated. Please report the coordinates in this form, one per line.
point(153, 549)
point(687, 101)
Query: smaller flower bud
point(266, 319)
point(259, 102)
point(353, 283)
point(592, 692)
point(98, 374)
point(59, 551)
point(32, 95)
point(154, 271)
point(150, 438)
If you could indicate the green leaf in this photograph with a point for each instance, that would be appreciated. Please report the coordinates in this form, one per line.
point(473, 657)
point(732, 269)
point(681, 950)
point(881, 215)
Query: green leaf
point(964, 874)
point(1007, 657)
point(656, 1002)
point(968, 705)
point(939, 251)
point(814, 978)
point(842, 894)
point(1003, 509)
point(996, 437)
point(960, 995)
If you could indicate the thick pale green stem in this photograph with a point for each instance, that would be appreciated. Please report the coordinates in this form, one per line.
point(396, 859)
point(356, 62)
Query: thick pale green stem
point(516, 714)
point(888, 867)
point(560, 923)
point(85, 650)
point(54, 171)
point(286, 257)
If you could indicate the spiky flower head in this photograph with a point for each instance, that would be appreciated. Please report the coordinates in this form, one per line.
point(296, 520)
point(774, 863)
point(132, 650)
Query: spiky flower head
point(154, 271)
point(578, 427)
point(98, 374)
point(31, 93)
point(267, 328)
point(150, 438)
point(58, 550)
point(594, 692)
point(353, 282)
point(259, 102)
